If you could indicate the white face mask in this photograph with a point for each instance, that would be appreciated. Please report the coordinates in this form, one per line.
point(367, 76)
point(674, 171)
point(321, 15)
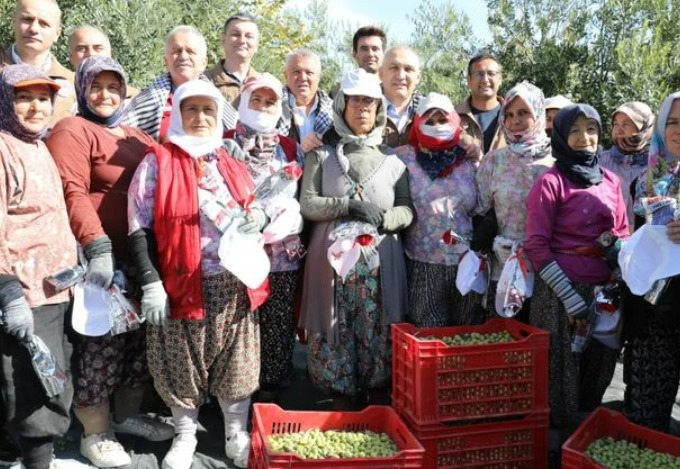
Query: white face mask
point(442, 131)
point(258, 120)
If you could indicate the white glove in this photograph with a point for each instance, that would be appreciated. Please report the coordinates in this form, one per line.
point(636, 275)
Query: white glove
point(155, 306)
point(18, 319)
point(253, 222)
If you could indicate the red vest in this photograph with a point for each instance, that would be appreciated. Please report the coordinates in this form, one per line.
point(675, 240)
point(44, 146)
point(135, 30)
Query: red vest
point(177, 226)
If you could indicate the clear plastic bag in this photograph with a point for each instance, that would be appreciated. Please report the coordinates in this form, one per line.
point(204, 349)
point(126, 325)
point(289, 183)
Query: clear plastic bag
point(51, 376)
point(352, 241)
point(515, 285)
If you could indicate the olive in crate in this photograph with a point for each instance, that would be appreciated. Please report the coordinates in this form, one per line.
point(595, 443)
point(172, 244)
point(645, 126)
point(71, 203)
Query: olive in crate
point(315, 444)
point(621, 454)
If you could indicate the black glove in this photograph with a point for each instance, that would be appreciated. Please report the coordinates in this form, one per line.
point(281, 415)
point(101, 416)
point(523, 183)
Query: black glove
point(485, 229)
point(366, 211)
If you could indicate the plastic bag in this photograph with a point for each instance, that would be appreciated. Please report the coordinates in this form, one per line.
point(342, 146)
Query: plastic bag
point(472, 274)
point(351, 242)
point(515, 285)
point(285, 219)
point(244, 256)
point(98, 311)
point(51, 376)
point(283, 181)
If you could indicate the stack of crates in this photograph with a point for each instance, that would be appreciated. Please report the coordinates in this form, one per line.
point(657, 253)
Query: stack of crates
point(474, 406)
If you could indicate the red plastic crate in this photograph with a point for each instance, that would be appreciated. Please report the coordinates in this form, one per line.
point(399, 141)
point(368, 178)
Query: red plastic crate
point(520, 443)
point(603, 423)
point(436, 383)
point(269, 419)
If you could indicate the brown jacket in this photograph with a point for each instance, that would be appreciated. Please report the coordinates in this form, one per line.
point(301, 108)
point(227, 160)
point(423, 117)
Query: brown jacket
point(471, 126)
point(66, 98)
point(391, 136)
point(230, 88)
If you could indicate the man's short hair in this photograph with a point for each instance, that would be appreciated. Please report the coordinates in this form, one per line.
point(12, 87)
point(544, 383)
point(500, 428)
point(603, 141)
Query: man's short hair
point(17, 7)
point(367, 31)
point(203, 50)
point(389, 52)
point(303, 53)
point(480, 57)
point(240, 16)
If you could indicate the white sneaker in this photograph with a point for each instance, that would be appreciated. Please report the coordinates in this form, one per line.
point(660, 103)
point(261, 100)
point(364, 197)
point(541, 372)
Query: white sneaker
point(103, 450)
point(237, 448)
point(181, 453)
point(144, 426)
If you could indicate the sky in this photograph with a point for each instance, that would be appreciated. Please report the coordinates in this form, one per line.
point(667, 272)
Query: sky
point(393, 13)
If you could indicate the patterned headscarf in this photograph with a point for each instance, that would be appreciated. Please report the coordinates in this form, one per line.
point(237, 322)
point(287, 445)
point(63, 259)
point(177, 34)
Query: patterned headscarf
point(86, 73)
point(657, 149)
point(24, 75)
point(533, 142)
point(643, 118)
point(581, 167)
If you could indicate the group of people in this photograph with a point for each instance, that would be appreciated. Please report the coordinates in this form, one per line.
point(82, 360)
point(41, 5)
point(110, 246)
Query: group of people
point(362, 203)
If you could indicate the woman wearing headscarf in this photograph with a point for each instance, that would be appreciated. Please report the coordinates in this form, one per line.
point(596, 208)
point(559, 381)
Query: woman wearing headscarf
point(444, 193)
point(652, 332)
point(632, 128)
point(203, 331)
point(96, 157)
point(568, 209)
point(267, 155)
point(36, 242)
point(553, 105)
point(359, 179)
point(505, 177)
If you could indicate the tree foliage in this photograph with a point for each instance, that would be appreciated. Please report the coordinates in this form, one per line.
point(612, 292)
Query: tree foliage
point(137, 29)
point(603, 52)
point(443, 38)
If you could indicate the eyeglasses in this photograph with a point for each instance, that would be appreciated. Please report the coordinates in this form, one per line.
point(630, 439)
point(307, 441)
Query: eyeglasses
point(358, 101)
point(486, 73)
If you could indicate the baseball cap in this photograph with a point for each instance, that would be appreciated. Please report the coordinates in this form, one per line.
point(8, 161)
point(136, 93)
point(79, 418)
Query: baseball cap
point(434, 101)
point(359, 82)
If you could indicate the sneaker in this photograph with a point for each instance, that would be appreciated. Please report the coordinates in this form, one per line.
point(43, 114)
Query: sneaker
point(237, 448)
point(144, 426)
point(181, 453)
point(103, 450)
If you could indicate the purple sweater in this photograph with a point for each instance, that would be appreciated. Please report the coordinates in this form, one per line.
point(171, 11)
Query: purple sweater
point(564, 216)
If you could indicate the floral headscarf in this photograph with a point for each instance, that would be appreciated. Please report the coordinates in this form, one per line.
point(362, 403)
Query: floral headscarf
point(11, 76)
point(86, 73)
point(532, 142)
point(657, 149)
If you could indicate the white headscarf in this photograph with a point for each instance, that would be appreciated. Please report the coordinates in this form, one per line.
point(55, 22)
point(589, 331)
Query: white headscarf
point(260, 121)
point(195, 146)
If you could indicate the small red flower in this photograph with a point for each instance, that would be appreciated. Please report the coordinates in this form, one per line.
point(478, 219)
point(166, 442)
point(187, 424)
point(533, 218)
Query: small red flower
point(364, 239)
point(448, 238)
point(293, 171)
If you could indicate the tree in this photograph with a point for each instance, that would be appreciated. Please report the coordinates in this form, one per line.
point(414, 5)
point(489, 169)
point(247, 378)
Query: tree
point(603, 52)
point(444, 40)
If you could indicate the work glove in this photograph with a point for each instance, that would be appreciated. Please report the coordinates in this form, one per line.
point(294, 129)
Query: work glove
point(366, 211)
point(18, 319)
point(155, 306)
point(99, 262)
point(574, 304)
point(253, 222)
